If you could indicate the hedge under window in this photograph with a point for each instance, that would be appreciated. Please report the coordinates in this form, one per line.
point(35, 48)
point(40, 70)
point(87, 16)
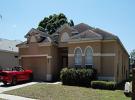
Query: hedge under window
point(78, 56)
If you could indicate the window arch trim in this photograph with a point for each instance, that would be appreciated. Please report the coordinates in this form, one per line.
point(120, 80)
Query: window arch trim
point(88, 47)
point(80, 64)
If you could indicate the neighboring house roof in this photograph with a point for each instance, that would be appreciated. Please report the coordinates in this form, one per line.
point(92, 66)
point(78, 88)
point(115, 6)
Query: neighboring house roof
point(9, 45)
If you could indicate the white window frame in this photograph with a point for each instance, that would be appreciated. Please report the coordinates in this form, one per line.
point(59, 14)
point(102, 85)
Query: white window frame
point(80, 64)
point(88, 47)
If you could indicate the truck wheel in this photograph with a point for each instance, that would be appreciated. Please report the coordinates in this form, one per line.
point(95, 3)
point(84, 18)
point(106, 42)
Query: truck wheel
point(5, 83)
point(14, 81)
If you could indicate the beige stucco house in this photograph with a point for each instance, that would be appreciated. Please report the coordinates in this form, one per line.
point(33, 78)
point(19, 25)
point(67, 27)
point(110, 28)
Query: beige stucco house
point(8, 53)
point(78, 46)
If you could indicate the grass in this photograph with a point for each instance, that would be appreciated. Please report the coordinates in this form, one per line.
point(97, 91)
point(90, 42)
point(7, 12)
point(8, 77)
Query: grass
point(61, 92)
point(2, 99)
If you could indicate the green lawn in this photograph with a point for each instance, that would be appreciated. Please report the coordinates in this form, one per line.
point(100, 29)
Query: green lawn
point(2, 99)
point(61, 92)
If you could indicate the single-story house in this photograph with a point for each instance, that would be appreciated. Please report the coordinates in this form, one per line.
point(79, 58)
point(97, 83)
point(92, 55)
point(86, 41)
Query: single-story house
point(8, 53)
point(77, 46)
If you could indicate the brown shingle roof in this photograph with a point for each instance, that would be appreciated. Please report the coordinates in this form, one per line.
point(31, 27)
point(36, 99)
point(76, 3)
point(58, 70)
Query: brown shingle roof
point(35, 31)
point(88, 34)
point(105, 35)
point(82, 27)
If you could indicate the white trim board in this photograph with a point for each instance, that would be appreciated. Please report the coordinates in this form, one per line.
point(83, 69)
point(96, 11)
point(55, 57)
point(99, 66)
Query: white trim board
point(42, 55)
point(104, 54)
point(98, 54)
point(88, 40)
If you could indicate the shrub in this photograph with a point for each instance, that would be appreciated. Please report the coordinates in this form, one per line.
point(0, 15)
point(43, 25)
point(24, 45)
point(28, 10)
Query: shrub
point(77, 76)
point(103, 85)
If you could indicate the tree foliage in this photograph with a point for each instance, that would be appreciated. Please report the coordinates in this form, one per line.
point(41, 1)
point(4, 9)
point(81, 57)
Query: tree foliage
point(53, 22)
point(132, 57)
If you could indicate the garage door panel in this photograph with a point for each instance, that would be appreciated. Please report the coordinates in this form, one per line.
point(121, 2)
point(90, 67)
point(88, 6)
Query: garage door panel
point(37, 65)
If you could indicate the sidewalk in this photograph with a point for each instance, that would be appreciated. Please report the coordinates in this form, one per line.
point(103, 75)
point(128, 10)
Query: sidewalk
point(3, 89)
point(12, 97)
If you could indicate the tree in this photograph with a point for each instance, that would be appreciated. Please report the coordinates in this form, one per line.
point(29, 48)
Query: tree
point(132, 57)
point(71, 23)
point(53, 22)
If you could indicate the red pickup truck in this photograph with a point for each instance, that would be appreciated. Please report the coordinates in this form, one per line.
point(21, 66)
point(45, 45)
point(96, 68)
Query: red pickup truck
point(14, 75)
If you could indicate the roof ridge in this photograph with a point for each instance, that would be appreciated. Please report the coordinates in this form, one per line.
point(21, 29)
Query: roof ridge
point(88, 32)
point(96, 33)
point(105, 31)
point(38, 31)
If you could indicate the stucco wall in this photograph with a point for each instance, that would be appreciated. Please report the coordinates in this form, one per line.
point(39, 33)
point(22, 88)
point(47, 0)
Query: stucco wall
point(55, 68)
point(122, 64)
point(96, 47)
point(35, 49)
point(108, 60)
point(8, 59)
point(37, 57)
point(44, 59)
point(102, 59)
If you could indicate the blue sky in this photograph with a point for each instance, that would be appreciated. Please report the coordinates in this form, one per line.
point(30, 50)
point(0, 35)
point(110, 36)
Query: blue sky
point(115, 16)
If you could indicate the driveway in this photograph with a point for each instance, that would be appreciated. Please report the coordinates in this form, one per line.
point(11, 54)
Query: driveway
point(4, 88)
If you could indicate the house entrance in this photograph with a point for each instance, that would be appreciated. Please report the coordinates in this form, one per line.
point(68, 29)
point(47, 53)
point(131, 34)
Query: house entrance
point(64, 61)
point(63, 57)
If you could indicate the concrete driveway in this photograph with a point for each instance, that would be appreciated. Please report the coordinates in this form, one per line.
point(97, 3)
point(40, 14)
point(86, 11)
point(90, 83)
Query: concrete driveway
point(4, 88)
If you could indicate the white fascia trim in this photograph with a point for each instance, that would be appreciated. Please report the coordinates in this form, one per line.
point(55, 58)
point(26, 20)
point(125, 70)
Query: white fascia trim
point(97, 54)
point(89, 64)
point(108, 54)
point(109, 78)
point(70, 55)
point(86, 40)
point(44, 55)
point(78, 41)
point(40, 44)
point(44, 44)
point(23, 46)
point(104, 54)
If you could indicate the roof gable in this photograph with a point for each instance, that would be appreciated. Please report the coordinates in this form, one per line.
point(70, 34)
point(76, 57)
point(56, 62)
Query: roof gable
point(34, 32)
point(82, 27)
point(88, 34)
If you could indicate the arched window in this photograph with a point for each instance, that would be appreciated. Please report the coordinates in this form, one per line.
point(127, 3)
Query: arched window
point(78, 57)
point(88, 56)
